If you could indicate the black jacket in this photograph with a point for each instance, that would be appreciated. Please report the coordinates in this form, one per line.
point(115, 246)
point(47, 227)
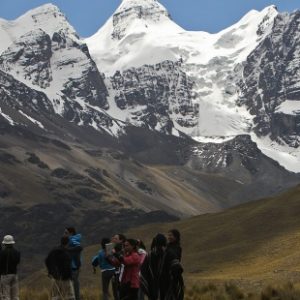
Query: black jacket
point(9, 260)
point(58, 263)
point(175, 250)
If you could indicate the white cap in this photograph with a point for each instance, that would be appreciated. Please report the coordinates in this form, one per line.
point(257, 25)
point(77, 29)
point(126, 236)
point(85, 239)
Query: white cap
point(8, 240)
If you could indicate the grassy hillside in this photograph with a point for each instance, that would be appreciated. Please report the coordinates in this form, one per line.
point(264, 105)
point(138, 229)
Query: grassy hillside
point(250, 245)
point(255, 242)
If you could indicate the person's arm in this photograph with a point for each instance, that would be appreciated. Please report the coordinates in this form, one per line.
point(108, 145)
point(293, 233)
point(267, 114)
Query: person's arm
point(95, 261)
point(114, 261)
point(18, 257)
point(49, 262)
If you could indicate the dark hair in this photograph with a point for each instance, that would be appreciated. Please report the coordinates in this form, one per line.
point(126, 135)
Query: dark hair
point(71, 230)
point(105, 241)
point(132, 242)
point(176, 234)
point(64, 241)
point(122, 237)
point(141, 244)
point(158, 242)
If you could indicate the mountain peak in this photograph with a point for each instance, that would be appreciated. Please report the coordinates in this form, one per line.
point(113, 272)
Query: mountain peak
point(146, 9)
point(150, 4)
point(38, 13)
point(47, 17)
point(138, 14)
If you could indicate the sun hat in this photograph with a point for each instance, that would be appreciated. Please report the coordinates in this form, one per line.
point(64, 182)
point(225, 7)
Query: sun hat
point(8, 240)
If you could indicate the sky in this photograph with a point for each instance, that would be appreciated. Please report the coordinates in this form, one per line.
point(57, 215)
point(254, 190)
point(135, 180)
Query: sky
point(87, 16)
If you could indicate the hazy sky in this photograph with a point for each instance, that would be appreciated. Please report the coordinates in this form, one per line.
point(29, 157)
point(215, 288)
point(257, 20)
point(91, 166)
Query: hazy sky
point(87, 16)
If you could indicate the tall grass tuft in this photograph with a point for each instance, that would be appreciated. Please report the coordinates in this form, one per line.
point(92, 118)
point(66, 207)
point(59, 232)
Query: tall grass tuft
point(209, 291)
point(285, 292)
point(44, 294)
point(30, 294)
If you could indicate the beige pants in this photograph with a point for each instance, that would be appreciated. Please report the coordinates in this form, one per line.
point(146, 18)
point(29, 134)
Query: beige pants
point(9, 287)
point(62, 290)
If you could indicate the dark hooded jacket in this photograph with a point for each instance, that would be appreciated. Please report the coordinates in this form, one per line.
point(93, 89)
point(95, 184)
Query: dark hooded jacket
point(58, 263)
point(161, 274)
point(9, 260)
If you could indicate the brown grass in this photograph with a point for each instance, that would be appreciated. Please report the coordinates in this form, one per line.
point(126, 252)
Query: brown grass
point(210, 291)
point(251, 246)
point(87, 293)
point(258, 241)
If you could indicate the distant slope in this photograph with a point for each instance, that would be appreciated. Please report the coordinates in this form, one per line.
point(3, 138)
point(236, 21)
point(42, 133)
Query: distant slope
point(258, 241)
point(254, 243)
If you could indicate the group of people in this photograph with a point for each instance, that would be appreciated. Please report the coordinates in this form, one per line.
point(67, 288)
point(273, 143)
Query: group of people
point(132, 271)
point(135, 273)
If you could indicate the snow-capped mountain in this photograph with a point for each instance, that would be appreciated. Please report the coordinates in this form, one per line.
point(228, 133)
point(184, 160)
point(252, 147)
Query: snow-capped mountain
point(47, 17)
point(202, 93)
point(142, 69)
point(50, 58)
point(144, 121)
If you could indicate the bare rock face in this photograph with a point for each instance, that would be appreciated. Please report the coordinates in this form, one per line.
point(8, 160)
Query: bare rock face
point(271, 82)
point(62, 70)
point(157, 92)
point(15, 94)
point(132, 10)
point(30, 56)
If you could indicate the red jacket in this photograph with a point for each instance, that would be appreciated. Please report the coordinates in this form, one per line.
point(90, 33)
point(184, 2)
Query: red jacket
point(131, 269)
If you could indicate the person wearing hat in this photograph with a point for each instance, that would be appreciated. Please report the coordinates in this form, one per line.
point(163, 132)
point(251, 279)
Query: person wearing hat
point(9, 260)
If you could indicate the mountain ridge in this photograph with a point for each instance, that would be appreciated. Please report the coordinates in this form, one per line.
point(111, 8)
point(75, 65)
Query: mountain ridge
point(172, 136)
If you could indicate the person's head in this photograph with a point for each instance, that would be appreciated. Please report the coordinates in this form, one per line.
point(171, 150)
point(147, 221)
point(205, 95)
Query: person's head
point(118, 238)
point(130, 245)
point(64, 241)
point(69, 231)
point(104, 241)
point(174, 236)
point(141, 245)
point(159, 242)
point(8, 241)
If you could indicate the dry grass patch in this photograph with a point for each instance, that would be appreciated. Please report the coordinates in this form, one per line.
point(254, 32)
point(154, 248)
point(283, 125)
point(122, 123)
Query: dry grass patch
point(87, 293)
point(210, 291)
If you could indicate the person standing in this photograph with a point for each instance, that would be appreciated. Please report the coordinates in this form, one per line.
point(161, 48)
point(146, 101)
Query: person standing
point(107, 270)
point(142, 253)
point(118, 240)
point(58, 263)
point(9, 260)
point(174, 243)
point(161, 272)
point(173, 268)
point(74, 250)
point(130, 281)
point(153, 283)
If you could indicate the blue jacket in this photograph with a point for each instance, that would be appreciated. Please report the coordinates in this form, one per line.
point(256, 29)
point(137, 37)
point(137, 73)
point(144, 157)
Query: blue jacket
point(74, 250)
point(101, 261)
point(75, 240)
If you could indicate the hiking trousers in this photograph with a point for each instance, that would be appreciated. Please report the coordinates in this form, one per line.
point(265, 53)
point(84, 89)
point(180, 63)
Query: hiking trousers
point(106, 279)
point(62, 290)
point(9, 287)
point(127, 292)
point(76, 284)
